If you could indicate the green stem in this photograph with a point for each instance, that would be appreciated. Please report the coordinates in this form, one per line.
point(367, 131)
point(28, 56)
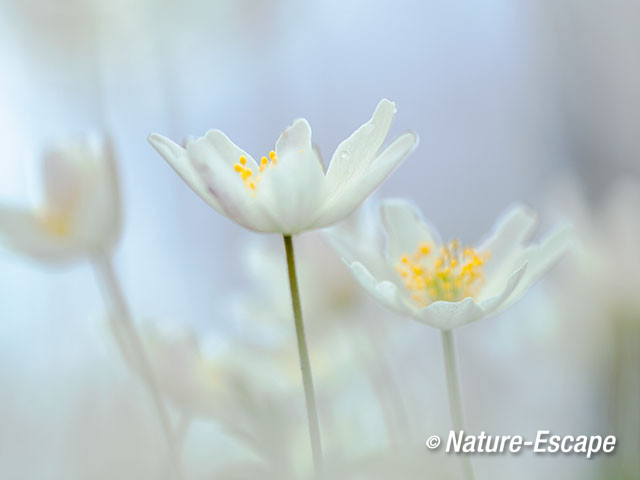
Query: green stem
point(305, 366)
point(113, 292)
point(455, 398)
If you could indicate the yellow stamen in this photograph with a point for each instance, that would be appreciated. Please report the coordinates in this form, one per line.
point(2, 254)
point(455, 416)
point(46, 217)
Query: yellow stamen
point(251, 181)
point(448, 273)
point(56, 224)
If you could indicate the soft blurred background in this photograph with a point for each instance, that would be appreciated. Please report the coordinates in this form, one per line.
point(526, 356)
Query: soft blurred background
point(537, 102)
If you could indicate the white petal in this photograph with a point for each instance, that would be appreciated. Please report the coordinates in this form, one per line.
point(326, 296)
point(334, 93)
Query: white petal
point(22, 232)
point(540, 258)
point(449, 315)
point(225, 149)
point(491, 303)
point(62, 172)
point(177, 157)
point(358, 239)
point(294, 189)
point(294, 140)
point(353, 193)
point(514, 228)
point(81, 183)
point(213, 156)
point(99, 213)
point(355, 154)
point(405, 228)
point(385, 292)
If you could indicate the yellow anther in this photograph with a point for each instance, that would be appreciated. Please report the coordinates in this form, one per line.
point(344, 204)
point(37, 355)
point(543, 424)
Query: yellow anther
point(448, 273)
point(57, 225)
point(251, 181)
point(264, 162)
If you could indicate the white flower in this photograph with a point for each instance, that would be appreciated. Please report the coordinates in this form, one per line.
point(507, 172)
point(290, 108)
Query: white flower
point(80, 212)
point(288, 191)
point(199, 381)
point(332, 295)
point(608, 260)
point(448, 285)
point(207, 374)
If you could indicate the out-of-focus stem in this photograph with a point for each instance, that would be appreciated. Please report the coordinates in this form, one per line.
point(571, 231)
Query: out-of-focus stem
point(455, 398)
point(305, 365)
point(113, 294)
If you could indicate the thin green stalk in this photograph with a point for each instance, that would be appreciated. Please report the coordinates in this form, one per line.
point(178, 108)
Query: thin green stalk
point(305, 366)
point(114, 295)
point(455, 398)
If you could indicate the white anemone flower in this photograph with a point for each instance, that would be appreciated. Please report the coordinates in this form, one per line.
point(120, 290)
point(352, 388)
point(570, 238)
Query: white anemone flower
point(80, 211)
point(447, 285)
point(203, 374)
point(288, 190)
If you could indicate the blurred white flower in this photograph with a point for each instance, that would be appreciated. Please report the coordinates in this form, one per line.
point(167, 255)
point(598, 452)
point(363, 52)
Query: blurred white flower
point(80, 212)
point(348, 338)
point(288, 191)
point(202, 374)
point(605, 331)
point(250, 392)
point(448, 285)
point(244, 389)
point(331, 290)
point(608, 233)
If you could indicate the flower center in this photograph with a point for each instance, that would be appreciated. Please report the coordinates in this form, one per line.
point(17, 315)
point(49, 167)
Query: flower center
point(449, 273)
point(56, 224)
point(251, 181)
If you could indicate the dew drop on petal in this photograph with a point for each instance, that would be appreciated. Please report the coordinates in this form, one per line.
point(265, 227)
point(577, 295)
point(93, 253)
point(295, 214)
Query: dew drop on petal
point(344, 154)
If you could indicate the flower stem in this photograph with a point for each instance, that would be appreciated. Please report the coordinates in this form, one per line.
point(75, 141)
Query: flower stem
point(131, 340)
point(305, 366)
point(455, 398)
